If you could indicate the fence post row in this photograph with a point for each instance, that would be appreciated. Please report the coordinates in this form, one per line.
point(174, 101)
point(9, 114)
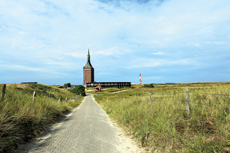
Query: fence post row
point(149, 98)
point(34, 95)
point(3, 91)
point(187, 101)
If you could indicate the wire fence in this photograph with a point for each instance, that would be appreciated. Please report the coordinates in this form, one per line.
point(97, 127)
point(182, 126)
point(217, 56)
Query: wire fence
point(35, 93)
point(186, 94)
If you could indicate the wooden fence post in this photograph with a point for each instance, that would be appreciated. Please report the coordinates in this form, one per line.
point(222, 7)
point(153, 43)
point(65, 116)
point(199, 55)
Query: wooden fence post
point(187, 101)
point(60, 99)
point(34, 95)
point(65, 99)
point(149, 98)
point(3, 91)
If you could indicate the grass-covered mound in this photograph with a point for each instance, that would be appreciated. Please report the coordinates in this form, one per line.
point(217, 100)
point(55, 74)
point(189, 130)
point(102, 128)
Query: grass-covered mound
point(164, 124)
point(22, 119)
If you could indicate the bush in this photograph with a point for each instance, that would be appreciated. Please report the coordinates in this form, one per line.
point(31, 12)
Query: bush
point(149, 85)
point(67, 85)
point(80, 89)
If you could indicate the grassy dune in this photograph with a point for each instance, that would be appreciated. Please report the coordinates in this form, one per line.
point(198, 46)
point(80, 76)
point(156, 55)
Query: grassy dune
point(22, 119)
point(164, 124)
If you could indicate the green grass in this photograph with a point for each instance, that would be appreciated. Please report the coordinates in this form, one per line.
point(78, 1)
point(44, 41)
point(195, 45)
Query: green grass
point(105, 90)
point(164, 123)
point(21, 119)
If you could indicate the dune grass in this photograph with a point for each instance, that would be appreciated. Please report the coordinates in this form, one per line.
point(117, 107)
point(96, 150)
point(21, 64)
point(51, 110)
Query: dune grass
point(21, 119)
point(105, 90)
point(164, 124)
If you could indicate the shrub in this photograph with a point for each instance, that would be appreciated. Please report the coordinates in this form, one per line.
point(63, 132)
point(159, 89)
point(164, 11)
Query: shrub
point(80, 89)
point(149, 85)
point(67, 85)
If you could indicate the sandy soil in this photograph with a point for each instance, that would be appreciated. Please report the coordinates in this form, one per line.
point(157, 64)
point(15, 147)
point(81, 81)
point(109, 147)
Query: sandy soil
point(127, 144)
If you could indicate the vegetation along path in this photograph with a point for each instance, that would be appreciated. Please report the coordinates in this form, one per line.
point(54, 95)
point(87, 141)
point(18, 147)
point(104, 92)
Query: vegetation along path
point(87, 130)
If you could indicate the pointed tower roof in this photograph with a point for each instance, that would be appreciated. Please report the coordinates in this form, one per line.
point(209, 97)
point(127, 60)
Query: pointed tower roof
point(88, 65)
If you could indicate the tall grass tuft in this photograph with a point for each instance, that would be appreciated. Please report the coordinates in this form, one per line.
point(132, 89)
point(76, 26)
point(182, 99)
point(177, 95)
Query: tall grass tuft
point(165, 125)
point(22, 119)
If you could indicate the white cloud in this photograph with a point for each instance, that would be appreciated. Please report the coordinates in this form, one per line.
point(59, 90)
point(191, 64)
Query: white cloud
point(15, 67)
point(158, 53)
point(44, 72)
point(151, 78)
point(112, 51)
point(57, 32)
point(153, 62)
point(99, 25)
point(197, 45)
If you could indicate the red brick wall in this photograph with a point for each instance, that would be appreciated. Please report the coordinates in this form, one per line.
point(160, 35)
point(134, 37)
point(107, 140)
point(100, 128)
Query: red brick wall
point(88, 75)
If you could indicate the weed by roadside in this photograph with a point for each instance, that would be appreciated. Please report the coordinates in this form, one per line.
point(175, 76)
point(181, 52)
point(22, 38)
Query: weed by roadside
point(21, 119)
point(164, 123)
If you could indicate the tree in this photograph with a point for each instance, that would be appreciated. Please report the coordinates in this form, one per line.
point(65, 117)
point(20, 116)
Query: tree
point(80, 89)
point(67, 85)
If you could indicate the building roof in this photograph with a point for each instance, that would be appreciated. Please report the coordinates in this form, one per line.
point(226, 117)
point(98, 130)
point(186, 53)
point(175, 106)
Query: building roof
point(88, 65)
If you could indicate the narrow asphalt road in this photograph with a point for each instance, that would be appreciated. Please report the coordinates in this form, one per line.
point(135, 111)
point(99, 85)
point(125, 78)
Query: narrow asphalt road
point(87, 130)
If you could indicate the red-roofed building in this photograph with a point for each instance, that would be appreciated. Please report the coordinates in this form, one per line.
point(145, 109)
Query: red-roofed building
point(98, 88)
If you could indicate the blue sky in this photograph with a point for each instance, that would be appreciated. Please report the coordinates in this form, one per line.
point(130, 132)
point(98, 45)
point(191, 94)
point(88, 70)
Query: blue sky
point(46, 41)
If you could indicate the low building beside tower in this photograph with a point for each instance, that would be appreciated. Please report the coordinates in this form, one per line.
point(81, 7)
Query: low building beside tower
point(88, 78)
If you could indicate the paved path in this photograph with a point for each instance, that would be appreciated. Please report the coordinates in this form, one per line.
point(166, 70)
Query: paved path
point(87, 130)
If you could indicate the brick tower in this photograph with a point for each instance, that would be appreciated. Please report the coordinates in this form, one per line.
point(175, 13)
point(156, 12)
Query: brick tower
point(88, 72)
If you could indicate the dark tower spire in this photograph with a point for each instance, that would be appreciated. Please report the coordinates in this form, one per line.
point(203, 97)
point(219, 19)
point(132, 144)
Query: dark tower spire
point(88, 64)
point(88, 55)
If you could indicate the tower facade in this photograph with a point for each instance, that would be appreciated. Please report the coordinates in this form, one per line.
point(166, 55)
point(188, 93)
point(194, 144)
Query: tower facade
point(88, 72)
